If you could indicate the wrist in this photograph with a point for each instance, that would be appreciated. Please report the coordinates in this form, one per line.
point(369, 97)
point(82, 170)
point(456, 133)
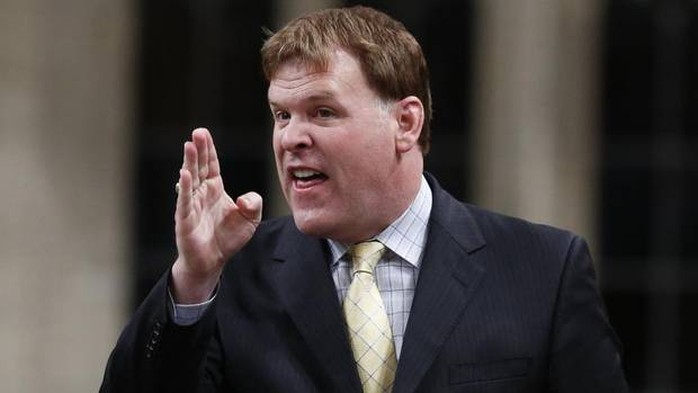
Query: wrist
point(190, 287)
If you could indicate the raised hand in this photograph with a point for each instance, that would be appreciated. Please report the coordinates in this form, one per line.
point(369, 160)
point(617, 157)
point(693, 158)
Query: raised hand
point(209, 226)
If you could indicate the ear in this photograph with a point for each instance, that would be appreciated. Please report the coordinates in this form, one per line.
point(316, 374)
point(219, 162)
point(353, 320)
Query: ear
point(410, 118)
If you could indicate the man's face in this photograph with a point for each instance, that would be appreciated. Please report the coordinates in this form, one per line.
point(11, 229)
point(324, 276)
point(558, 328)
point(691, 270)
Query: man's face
point(335, 149)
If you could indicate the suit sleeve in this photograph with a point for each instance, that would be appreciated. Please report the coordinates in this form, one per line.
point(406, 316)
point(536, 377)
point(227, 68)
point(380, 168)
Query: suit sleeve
point(585, 353)
point(153, 354)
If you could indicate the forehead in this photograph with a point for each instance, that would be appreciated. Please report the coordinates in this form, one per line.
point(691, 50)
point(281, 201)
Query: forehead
point(295, 79)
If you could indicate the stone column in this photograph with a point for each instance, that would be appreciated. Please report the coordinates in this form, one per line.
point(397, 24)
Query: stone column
point(536, 102)
point(64, 209)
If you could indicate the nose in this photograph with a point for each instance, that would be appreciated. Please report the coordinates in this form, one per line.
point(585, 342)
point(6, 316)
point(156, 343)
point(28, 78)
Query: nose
point(296, 135)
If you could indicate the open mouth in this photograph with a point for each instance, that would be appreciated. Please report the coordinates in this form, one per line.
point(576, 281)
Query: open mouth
point(305, 178)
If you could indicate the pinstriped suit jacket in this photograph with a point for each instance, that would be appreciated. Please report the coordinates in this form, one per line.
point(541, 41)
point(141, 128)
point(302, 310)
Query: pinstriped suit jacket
point(502, 305)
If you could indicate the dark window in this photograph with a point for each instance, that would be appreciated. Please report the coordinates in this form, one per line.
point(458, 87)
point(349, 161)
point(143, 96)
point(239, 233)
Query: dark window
point(650, 187)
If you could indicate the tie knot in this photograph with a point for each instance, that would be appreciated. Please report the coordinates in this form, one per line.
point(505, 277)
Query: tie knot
point(365, 256)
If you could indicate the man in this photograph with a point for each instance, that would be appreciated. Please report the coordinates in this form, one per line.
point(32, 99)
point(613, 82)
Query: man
point(460, 299)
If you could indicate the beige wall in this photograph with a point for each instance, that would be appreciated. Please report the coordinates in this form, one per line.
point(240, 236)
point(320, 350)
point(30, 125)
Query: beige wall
point(65, 88)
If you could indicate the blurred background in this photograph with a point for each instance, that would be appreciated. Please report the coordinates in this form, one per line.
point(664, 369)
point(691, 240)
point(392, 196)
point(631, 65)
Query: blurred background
point(576, 113)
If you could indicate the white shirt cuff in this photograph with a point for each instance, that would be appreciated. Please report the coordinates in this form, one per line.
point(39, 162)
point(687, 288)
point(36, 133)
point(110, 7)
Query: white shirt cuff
point(188, 314)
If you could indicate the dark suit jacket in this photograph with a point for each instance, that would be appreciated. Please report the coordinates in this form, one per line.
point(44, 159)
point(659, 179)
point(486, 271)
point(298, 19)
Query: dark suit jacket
point(501, 305)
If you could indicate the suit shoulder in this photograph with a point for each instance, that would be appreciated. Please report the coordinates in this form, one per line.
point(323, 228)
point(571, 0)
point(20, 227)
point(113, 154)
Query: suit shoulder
point(527, 247)
point(497, 226)
point(476, 226)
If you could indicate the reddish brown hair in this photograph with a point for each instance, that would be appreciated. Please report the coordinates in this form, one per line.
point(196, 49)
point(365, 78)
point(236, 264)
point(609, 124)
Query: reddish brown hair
point(391, 58)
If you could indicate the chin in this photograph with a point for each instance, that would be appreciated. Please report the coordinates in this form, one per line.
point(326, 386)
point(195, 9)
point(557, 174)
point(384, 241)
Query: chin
point(309, 225)
point(312, 224)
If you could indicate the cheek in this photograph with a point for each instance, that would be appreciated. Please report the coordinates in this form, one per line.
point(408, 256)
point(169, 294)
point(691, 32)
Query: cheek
point(276, 147)
point(275, 142)
point(376, 139)
point(278, 161)
point(377, 151)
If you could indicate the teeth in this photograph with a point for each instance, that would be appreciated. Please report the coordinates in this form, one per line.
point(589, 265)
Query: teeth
point(305, 173)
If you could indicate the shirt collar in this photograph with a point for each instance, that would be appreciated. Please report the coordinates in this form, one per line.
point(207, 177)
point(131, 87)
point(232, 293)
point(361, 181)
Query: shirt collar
point(406, 236)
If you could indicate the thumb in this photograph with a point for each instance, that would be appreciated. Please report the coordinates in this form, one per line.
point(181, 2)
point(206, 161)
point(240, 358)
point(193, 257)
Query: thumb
point(250, 206)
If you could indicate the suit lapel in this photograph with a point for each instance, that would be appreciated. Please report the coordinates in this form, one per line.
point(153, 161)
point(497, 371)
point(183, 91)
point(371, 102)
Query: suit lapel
point(305, 284)
point(447, 280)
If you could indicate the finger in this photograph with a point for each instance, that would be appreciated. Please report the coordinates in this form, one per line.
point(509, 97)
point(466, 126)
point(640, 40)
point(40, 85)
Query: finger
point(184, 197)
point(250, 206)
point(191, 163)
point(214, 167)
point(200, 137)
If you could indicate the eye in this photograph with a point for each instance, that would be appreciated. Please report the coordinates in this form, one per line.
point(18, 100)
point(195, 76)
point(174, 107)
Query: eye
point(282, 116)
point(324, 112)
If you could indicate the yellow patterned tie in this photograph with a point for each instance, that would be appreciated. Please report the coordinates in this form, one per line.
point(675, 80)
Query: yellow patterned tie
point(369, 328)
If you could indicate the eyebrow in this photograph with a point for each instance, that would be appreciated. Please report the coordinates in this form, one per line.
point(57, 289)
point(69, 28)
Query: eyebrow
point(315, 96)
